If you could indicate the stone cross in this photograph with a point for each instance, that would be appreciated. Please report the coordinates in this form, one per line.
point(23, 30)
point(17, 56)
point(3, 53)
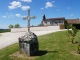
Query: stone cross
point(28, 18)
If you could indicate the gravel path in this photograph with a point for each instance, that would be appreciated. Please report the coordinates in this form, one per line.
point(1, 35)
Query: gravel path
point(9, 38)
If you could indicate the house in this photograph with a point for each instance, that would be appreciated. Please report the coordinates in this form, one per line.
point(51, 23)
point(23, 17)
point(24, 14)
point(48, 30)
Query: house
point(73, 21)
point(57, 21)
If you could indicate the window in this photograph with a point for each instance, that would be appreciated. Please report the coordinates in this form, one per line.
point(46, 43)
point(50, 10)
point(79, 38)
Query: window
point(56, 23)
point(46, 22)
point(59, 21)
point(51, 23)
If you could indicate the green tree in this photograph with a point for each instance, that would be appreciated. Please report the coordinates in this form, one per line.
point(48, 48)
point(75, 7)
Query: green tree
point(66, 24)
point(17, 26)
point(72, 33)
point(10, 26)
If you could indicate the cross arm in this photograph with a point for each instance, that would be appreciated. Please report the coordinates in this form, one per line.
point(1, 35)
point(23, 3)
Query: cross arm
point(33, 17)
point(24, 18)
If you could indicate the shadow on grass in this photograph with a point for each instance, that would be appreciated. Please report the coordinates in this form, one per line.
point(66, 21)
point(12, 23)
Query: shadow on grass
point(41, 52)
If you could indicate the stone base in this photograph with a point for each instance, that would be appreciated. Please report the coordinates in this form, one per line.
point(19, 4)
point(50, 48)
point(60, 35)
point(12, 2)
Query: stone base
point(28, 44)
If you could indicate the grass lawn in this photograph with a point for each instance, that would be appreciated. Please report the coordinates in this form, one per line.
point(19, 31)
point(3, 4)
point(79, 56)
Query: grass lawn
point(53, 46)
point(0, 34)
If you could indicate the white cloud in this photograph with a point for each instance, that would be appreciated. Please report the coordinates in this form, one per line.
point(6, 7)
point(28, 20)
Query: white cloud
point(48, 4)
point(72, 14)
point(25, 7)
point(18, 15)
point(4, 16)
point(14, 5)
point(42, 8)
point(11, 7)
point(69, 7)
point(10, 16)
point(27, 1)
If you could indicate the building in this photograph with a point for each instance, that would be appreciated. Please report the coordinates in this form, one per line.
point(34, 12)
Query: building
point(73, 21)
point(58, 21)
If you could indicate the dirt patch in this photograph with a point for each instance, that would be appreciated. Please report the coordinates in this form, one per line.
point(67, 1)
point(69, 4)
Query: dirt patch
point(75, 53)
point(18, 56)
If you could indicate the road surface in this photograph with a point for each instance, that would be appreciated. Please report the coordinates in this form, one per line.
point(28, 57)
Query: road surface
point(9, 38)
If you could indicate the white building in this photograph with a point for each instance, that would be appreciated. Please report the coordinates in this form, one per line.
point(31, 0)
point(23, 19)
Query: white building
point(52, 21)
point(57, 21)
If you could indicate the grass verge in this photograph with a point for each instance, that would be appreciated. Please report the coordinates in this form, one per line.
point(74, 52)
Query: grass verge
point(53, 46)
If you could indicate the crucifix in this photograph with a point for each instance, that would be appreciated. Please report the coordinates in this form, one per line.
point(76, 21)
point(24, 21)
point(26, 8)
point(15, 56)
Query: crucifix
point(28, 18)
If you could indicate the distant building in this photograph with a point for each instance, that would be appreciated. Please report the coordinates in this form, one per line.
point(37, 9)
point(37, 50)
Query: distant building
point(57, 21)
point(73, 21)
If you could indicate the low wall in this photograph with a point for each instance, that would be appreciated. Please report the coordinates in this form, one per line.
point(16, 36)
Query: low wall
point(45, 28)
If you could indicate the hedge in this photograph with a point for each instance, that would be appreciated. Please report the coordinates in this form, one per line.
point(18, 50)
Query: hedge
point(77, 26)
point(5, 30)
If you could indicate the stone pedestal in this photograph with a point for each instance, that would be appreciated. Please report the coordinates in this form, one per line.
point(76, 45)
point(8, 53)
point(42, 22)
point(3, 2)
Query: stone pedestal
point(28, 44)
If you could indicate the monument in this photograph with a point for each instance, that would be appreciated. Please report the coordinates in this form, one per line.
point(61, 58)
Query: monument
point(28, 42)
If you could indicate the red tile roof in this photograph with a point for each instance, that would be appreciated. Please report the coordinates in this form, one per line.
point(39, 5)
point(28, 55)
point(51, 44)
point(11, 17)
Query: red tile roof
point(73, 21)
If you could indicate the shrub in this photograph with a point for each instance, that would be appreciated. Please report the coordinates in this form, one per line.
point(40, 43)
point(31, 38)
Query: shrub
point(77, 26)
point(17, 26)
point(5, 30)
point(10, 26)
point(78, 48)
point(72, 33)
point(68, 27)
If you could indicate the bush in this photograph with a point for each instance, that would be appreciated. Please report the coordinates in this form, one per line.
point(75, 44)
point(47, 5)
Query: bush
point(11, 26)
point(68, 27)
point(5, 30)
point(78, 48)
point(17, 26)
point(72, 33)
point(77, 26)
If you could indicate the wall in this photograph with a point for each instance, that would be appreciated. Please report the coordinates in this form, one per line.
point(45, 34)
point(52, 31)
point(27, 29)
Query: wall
point(50, 22)
point(45, 28)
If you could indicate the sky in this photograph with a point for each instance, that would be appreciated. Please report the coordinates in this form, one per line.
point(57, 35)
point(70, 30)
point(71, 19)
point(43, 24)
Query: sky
point(13, 11)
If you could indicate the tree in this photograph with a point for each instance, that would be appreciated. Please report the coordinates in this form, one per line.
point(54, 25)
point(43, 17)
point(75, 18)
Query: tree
point(10, 26)
point(44, 17)
point(66, 24)
point(72, 33)
point(17, 25)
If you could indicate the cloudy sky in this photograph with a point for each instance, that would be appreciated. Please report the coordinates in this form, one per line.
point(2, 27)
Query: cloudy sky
point(12, 11)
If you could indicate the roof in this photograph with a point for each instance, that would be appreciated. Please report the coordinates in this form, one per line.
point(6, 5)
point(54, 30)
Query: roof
point(73, 21)
point(61, 18)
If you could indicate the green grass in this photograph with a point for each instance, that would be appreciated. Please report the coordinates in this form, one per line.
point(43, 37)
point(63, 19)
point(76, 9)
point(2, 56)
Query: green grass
point(5, 30)
point(54, 46)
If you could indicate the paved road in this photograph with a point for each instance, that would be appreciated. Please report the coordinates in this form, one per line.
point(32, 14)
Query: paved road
point(9, 38)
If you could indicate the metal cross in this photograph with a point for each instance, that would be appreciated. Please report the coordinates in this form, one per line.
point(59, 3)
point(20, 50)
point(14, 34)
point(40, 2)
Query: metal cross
point(28, 18)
